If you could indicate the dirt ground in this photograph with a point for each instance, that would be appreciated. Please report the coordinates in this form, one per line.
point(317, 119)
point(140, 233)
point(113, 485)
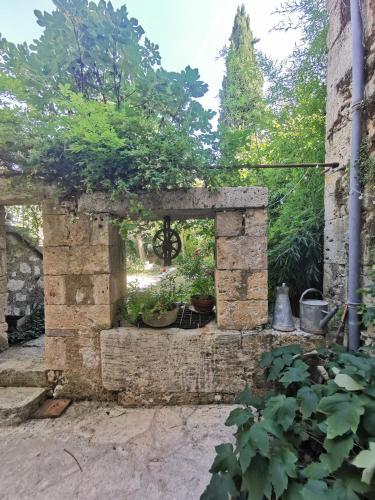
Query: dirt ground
point(97, 451)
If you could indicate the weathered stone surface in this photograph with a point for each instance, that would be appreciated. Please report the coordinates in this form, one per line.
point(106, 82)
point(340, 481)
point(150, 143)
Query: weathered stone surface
point(241, 252)
point(24, 274)
point(76, 260)
point(241, 285)
point(153, 367)
point(230, 223)
point(240, 315)
point(3, 335)
point(18, 403)
point(76, 317)
point(256, 222)
point(192, 203)
point(56, 352)
point(137, 454)
point(338, 141)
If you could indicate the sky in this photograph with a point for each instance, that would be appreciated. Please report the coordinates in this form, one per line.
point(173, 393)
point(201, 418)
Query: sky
point(189, 32)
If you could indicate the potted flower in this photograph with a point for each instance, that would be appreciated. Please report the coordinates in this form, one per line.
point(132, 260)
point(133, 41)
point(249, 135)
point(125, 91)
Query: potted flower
point(202, 290)
point(156, 306)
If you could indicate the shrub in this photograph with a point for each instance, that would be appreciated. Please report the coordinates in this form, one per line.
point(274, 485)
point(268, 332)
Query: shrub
point(313, 436)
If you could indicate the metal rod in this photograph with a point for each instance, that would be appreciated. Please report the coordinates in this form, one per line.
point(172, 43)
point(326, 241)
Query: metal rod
point(358, 86)
point(278, 165)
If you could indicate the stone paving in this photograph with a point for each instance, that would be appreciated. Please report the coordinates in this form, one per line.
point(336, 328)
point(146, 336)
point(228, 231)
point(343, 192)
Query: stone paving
point(133, 454)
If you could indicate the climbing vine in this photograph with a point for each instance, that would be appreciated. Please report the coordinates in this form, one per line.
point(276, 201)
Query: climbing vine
point(312, 437)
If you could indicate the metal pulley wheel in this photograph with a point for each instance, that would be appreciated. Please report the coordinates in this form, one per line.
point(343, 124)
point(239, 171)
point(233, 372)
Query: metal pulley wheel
point(166, 242)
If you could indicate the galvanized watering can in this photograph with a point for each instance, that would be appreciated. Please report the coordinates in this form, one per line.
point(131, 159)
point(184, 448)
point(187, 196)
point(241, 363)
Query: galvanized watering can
point(282, 316)
point(314, 314)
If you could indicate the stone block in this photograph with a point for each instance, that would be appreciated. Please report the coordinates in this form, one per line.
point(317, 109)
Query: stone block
point(55, 352)
point(256, 222)
point(241, 252)
point(54, 290)
point(242, 315)
point(172, 366)
point(66, 230)
point(79, 289)
point(231, 285)
point(85, 259)
point(3, 263)
point(3, 335)
point(77, 317)
point(257, 285)
point(229, 223)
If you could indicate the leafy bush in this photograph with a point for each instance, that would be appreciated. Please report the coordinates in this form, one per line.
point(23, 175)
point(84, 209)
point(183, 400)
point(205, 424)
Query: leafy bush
point(198, 271)
point(147, 302)
point(313, 436)
point(368, 310)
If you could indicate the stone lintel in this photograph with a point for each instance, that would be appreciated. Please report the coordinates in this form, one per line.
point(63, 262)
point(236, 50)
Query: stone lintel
point(179, 204)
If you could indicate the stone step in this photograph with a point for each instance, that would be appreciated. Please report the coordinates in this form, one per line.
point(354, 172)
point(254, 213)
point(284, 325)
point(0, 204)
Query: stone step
point(18, 403)
point(23, 372)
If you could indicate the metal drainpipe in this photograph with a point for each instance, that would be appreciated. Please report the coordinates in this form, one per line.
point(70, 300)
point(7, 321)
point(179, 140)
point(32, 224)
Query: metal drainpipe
point(358, 86)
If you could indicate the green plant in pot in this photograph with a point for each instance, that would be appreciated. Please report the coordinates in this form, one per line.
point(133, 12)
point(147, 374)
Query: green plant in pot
point(202, 293)
point(156, 306)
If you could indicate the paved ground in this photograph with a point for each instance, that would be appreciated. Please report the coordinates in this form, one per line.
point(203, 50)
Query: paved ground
point(138, 454)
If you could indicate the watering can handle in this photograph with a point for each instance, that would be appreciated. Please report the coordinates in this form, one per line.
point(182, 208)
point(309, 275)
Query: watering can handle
point(310, 290)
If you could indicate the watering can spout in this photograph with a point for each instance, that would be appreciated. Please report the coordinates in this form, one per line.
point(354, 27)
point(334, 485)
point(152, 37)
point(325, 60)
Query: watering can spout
point(328, 317)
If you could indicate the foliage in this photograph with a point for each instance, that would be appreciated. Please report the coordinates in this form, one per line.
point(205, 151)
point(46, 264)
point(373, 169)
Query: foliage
point(27, 219)
point(148, 302)
point(286, 124)
point(367, 166)
point(95, 109)
point(33, 329)
point(197, 271)
point(308, 437)
point(368, 310)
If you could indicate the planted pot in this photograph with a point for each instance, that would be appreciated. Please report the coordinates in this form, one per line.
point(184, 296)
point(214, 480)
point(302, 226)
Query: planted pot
point(203, 305)
point(161, 320)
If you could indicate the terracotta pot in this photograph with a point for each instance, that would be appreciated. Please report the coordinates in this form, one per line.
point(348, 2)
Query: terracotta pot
point(162, 320)
point(203, 305)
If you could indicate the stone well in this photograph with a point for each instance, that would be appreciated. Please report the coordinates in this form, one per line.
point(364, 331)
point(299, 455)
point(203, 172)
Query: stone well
point(85, 276)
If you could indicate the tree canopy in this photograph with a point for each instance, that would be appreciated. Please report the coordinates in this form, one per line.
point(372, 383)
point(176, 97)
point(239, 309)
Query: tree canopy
point(89, 106)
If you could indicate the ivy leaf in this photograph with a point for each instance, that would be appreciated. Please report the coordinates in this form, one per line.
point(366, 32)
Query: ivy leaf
point(225, 460)
point(366, 460)
point(282, 466)
point(337, 451)
point(259, 438)
point(246, 455)
point(343, 491)
point(343, 412)
point(299, 372)
point(294, 491)
point(244, 397)
point(368, 420)
point(347, 382)
point(239, 416)
point(308, 401)
point(281, 410)
point(256, 479)
point(317, 489)
point(221, 487)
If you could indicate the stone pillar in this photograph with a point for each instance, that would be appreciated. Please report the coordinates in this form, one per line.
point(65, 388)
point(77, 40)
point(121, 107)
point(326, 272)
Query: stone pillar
point(3, 283)
point(241, 269)
point(84, 276)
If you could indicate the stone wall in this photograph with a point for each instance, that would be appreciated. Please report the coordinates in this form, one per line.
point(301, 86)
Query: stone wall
point(147, 367)
point(25, 274)
point(84, 275)
point(241, 268)
point(3, 282)
point(338, 128)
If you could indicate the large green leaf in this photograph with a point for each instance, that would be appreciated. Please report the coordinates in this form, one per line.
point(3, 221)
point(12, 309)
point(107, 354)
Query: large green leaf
point(366, 460)
point(239, 416)
point(299, 373)
point(343, 413)
point(314, 490)
point(225, 460)
point(256, 479)
point(308, 401)
point(281, 411)
point(221, 487)
point(347, 382)
point(259, 438)
point(282, 466)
